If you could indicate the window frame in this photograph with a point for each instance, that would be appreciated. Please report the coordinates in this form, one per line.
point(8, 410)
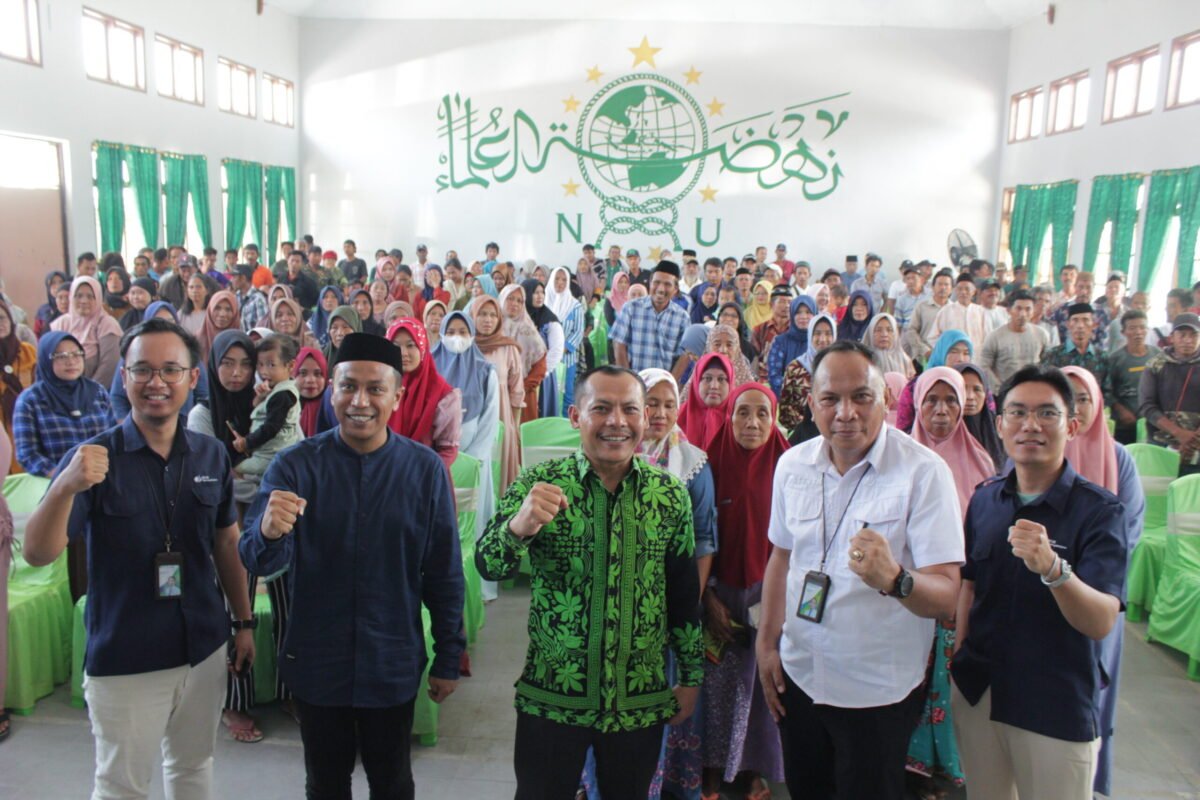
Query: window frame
point(1014, 102)
point(272, 80)
point(139, 43)
point(1008, 199)
point(1052, 103)
point(1175, 68)
point(252, 97)
point(196, 52)
point(1138, 57)
point(33, 35)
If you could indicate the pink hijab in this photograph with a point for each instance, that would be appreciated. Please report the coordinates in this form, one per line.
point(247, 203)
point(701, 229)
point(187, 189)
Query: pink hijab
point(969, 462)
point(895, 382)
point(88, 331)
point(1091, 452)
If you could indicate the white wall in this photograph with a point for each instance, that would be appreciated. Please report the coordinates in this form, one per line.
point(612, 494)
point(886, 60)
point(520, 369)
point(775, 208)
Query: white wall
point(1087, 34)
point(919, 151)
point(58, 101)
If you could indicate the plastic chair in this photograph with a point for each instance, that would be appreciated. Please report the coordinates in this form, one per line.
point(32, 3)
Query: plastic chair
point(547, 438)
point(599, 335)
point(1157, 467)
point(1176, 618)
point(1143, 435)
point(466, 475)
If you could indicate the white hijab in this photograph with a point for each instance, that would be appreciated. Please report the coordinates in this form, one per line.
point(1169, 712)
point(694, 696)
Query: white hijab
point(561, 303)
point(683, 458)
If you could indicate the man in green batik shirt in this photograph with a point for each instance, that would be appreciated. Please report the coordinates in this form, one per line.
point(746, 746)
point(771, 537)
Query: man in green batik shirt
point(610, 543)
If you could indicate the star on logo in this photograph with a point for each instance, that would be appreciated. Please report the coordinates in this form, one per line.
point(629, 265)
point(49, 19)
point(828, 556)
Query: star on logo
point(693, 75)
point(655, 253)
point(715, 107)
point(570, 188)
point(644, 53)
point(709, 194)
point(570, 104)
point(594, 74)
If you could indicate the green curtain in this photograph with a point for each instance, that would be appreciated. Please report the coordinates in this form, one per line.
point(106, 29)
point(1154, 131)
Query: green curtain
point(254, 201)
point(143, 177)
point(1189, 224)
point(1062, 221)
point(1168, 193)
point(1036, 208)
point(237, 174)
point(274, 197)
point(1114, 199)
point(175, 189)
point(289, 201)
point(197, 173)
point(109, 202)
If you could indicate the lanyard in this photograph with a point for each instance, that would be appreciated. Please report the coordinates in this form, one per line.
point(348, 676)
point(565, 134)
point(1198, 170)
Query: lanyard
point(826, 542)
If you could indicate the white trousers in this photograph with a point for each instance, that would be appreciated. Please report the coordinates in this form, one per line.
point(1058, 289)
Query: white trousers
point(133, 716)
point(1002, 762)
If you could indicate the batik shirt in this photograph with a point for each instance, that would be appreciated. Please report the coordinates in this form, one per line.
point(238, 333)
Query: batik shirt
point(613, 584)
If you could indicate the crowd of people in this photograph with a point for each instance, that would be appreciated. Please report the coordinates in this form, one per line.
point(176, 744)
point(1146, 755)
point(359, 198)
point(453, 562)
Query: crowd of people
point(821, 529)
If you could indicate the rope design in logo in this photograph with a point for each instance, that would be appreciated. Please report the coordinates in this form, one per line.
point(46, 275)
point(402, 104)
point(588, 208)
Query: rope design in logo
point(648, 224)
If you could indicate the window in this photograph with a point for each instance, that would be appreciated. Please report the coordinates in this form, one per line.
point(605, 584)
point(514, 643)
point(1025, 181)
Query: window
point(29, 163)
point(1183, 86)
point(132, 237)
point(1068, 103)
point(235, 88)
point(19, 35)
point(180, 70)
point(113, 51)
point(1103, 265)
point(1025, 115)
point(1132, 86)
point(278, 100)
point(1006, 209)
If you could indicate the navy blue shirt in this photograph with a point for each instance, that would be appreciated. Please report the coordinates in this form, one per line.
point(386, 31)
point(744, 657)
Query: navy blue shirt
point(378, 537)
point(123, 519)
point(1045, 676)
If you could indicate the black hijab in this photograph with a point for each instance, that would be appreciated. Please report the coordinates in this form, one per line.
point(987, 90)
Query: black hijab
point(136, 315)
point(224, 405)
point(117, 300)
point(541, 316)
point(983, 425)
point(369, 325)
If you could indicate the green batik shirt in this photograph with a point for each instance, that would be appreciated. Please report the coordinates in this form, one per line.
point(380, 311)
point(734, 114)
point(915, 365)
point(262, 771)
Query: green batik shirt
point(613, 583)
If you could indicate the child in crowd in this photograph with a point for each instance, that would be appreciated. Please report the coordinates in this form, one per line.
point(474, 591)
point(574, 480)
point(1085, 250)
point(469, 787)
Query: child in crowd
point(275, 421)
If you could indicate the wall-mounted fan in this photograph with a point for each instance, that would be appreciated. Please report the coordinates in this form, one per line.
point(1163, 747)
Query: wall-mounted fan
point(963, 249)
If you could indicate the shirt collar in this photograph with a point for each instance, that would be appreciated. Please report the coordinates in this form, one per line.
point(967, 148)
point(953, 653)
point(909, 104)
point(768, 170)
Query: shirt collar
point(135, 441)
point(584, 467)
point(1056, 496)
point(874, 456)
point(1071, 348)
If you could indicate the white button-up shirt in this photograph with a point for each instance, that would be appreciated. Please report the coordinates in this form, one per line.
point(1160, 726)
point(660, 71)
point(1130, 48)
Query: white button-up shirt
point(868, 650)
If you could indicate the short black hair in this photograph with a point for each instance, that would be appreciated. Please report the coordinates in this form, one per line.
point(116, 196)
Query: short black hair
point(1019, 294)
point(1131, 315)
point(874, 257)
point(1066, 267)
point(86, 256)
point(286, 346)
point(1182, 295)
point(231, 251)
point(162, 254)
point(315, 249)
point(111, 260)
point(713, 261)
point(1053, 377)
point(157, 325)
point(210, 251)
point(250, 246)
point(297, 253)
point(308, 237)
point(452, 262)
point(608, 370)
point(493, 244)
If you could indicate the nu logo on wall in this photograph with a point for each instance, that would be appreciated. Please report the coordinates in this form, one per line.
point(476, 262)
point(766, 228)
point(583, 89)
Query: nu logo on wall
point(643, 144)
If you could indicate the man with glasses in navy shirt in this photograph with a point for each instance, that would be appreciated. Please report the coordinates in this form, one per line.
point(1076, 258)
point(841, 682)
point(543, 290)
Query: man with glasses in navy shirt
point(154, 502)
point(1043, 584)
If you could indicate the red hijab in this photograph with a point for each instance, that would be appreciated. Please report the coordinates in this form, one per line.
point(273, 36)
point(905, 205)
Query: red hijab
point(743, 480)
point(310, 408)
point(699, 422)
point(424, 388)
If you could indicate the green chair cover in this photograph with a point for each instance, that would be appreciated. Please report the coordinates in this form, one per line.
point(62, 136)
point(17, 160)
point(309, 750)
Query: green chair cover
point(465, 473)
point(39, 609)
point(599, 335)
point(265, 660)
point(544, 439)
point(425, 712)
point(1156, 467)
point(1176, 618)
point(1143, 435)
point(497, 459)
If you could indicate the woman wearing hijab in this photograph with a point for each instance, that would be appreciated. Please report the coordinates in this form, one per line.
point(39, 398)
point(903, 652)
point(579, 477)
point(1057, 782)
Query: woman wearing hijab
point(49, 311)
point(329, 300)
point(787, 346)
point(519, 327)
point(569, 312)
point(740, 737)
point(952, 348)
point(18, 361)
point(311, 374)
point(433, 290)
point(704, 304)
point(551, 330)
point(342, 321)
point(940, 398)
point(99, 333)
point(883, 339)
point(731, 314)
point(794, 413)
point(724, 340)
point(617, 298)
point(435, 312)
point(395, 310)
point(364, 305)
point(230, 369)
point(707, 403)
point(430, 411)
point(288, 318)
point(695, 344)
point(859, 311)
point(221, 315)
point(1105, 462)
point(116, 289)
point(979, 413)
point(758, 310)
point(504, 354)
point(141, 294)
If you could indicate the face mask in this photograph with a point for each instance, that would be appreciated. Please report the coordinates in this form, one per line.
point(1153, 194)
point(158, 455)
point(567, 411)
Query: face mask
point(457, 344)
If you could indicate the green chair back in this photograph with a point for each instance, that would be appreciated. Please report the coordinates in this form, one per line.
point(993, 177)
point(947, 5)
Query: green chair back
point(1157, 467)
point(544, 439)
point(1183, 526)
point(23, 493)
point(599, 335)
point(497, 459)
point(1143, 435)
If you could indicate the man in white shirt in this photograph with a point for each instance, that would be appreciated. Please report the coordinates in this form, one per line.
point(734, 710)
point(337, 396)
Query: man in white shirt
point(853, 586)
point(989, 297)
point(962, 315)
point(801, 276)
point(917, 333)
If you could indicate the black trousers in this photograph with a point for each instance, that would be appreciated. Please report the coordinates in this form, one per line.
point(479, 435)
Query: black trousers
point(1125, 434)
point(846, 753)
point(334, 736)
point(549, 758)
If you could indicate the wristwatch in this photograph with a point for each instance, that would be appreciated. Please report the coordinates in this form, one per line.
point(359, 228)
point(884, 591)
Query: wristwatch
point(244, 624)
point(903, 586)
point(1066, 574)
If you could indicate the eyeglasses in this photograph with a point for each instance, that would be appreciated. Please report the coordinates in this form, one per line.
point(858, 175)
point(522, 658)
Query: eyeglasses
point(73, 355)
point(170, 374)
point(1046, 415)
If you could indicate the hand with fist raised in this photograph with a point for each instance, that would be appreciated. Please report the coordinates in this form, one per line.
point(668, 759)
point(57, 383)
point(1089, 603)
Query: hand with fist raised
point(279, 518)
point(88, 467)
point(541, 505)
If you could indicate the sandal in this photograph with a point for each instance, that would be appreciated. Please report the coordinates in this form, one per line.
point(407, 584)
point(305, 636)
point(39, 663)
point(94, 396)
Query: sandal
point(5, 725)
point(246, 732)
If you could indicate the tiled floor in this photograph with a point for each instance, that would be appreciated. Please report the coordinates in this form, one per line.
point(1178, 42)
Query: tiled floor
point(50, 753)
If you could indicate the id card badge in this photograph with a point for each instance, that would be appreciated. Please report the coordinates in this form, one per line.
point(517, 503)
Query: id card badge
point(813, 595)
point(168, 576)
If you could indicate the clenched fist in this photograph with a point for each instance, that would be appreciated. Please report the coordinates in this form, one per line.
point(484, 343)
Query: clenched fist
point(88, 467)
point(1031, 544)
point(541, 505)
point(283, 509)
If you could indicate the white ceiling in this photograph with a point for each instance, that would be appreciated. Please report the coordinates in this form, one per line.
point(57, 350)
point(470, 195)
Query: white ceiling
point(956, 14)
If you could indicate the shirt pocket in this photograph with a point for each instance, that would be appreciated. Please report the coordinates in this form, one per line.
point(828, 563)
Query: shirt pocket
point(886, 516)
point(207, 497)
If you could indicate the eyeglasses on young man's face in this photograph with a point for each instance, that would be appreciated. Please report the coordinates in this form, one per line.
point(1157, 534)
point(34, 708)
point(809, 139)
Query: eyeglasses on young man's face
point(172, 373)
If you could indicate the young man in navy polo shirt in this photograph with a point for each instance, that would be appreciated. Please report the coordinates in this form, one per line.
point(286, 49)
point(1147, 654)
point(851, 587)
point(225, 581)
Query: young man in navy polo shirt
point(155, 504)
point(1043, 584)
